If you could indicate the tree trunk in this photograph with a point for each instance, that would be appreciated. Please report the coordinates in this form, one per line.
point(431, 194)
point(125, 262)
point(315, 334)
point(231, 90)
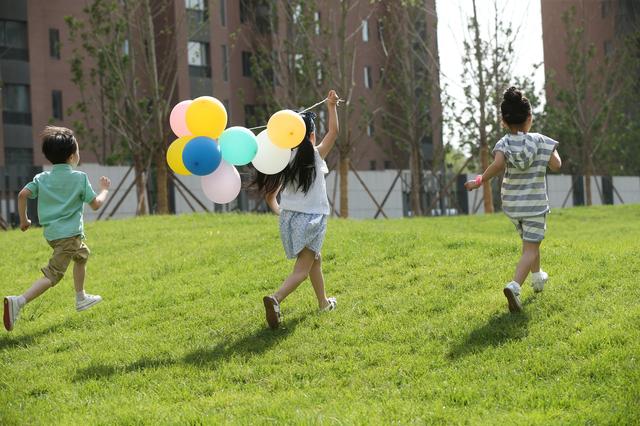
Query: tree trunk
point(141, 186)
point(484, 148)
point(162, 191)
point(416, 180)
point(344, 185)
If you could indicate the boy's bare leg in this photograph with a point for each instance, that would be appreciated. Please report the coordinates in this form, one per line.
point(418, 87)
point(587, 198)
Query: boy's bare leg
point(36, 289)
point(79, 272)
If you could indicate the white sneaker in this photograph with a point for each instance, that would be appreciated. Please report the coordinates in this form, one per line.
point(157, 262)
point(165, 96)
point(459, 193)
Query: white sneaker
point(512, 293)
point(539, 279)
point(11, 312)
point(88, 301)
point(331, 306)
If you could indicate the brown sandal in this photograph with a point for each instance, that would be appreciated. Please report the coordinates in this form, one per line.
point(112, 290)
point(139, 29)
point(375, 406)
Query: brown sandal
point(272, 310)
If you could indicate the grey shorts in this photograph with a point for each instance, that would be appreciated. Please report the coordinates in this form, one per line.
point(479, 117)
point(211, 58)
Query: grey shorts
point(299, 230)
point(531, 229)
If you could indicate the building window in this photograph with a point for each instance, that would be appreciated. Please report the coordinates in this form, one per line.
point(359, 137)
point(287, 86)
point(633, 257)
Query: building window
point(323, 120)
point(316, 21)
point(225, 102)
point(368, 83)
point(296, 13)
point(223, 13)
point(365, 30)
point(319, 72)
point(54, 43)
point(198, 57)
point(249, 115)
point(605, 8)
point(56, 104)
point(13, 40)
point(373, 165)
point(246, 64)
point(244, 11)
point(387, 165)
point(225, 63)
point(197, 10)
point(608, 48)
point(16, 104)
point(370, 130)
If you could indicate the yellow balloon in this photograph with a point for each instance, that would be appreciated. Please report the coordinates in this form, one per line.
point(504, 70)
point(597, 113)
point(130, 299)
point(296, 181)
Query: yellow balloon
point(174, 155)
point(206, 116)
point(286, 129)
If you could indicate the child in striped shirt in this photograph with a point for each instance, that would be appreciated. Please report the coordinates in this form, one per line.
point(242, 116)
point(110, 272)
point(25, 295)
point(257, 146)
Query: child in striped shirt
point(524, 191)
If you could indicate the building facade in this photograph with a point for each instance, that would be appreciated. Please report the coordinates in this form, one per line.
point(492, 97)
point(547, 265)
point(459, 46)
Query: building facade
point(218, 38)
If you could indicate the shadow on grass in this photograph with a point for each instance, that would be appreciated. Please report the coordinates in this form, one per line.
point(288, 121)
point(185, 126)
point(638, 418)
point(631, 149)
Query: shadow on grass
point(9, 341)
point(502, 328)
point(248, 346)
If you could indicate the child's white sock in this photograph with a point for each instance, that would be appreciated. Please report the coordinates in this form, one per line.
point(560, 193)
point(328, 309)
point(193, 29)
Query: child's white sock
point(80, 296)
point(21, 301)
point(515, 287)
point(537, 275)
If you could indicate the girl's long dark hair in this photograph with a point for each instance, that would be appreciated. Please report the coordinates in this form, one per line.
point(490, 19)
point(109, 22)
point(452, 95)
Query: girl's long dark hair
point(300, 173)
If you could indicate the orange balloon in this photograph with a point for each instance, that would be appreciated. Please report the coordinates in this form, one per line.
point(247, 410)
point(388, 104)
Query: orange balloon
point(286, 129)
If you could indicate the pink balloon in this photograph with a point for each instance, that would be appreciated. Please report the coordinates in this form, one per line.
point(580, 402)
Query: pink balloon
point(178, 119)
point(223, 185)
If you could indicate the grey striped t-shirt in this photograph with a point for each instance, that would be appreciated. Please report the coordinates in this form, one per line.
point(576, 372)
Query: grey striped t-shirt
point(524, 187)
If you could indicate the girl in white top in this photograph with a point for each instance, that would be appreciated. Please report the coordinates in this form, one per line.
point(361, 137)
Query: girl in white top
point(303, 210)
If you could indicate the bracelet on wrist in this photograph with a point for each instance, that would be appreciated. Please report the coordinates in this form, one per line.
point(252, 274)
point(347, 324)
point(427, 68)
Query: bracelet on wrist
point(479, 180)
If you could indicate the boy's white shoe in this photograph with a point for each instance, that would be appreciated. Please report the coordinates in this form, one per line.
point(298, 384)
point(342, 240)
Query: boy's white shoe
point(539, 279)
point(88, 301)
point(11, 311)
point(512, 293)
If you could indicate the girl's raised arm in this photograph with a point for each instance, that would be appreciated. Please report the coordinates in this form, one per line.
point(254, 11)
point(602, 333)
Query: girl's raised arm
point(330, 138)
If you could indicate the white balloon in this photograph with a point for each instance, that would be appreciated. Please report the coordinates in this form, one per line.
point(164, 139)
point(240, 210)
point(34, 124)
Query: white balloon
point(270, 159)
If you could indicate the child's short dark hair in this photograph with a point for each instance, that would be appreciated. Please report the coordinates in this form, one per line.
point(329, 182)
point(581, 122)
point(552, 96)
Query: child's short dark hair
point(58, 144)
point(515, 107)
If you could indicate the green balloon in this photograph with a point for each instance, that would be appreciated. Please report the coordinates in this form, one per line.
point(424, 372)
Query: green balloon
point(238, 145)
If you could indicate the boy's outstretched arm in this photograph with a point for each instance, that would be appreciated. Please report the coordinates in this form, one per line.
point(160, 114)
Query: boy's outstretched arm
point(97, 202)
point(25, 223)
point(555, 162)
point(332, 134)
point(494, 169)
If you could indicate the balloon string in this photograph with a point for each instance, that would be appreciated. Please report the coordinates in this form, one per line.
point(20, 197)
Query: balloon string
point(304, 110)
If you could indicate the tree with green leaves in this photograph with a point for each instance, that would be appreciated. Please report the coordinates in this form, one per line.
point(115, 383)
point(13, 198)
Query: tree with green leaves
point(124, 65)
point(307, 48)
point(592, 112)
point(488, 70)
point(410, 88)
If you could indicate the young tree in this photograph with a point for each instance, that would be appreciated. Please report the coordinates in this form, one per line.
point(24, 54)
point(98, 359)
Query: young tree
point(589, 112)
point(487, 72)
point(124, 60)
point(411, 88)
point(310, 47)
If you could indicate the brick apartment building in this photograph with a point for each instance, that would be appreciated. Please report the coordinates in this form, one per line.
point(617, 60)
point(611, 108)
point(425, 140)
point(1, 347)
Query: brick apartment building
point(37, 90)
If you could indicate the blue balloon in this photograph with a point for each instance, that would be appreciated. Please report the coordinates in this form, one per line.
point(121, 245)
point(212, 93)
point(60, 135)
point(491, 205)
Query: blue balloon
point(238, 145)
point(201, 156)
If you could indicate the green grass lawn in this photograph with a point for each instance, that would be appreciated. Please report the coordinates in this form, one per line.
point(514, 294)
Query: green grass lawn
point(422, 333)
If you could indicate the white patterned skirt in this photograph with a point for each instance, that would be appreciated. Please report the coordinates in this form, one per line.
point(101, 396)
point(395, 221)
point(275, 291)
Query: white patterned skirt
point(299, 230)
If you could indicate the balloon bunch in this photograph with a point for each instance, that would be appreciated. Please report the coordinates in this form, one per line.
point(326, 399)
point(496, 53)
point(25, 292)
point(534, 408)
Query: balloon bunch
point(204, 148)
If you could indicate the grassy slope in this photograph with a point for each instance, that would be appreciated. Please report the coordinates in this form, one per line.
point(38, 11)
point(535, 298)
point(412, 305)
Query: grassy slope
point(421, 334)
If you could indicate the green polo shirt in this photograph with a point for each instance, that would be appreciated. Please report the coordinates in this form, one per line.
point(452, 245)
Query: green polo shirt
point(61, 195)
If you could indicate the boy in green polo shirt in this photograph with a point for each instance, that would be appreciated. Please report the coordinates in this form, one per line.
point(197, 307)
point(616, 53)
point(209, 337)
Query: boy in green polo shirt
point(61, 193)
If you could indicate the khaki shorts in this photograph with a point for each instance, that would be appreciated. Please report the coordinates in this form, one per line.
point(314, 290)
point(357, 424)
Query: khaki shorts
point(531, 229)
point(64, 251)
